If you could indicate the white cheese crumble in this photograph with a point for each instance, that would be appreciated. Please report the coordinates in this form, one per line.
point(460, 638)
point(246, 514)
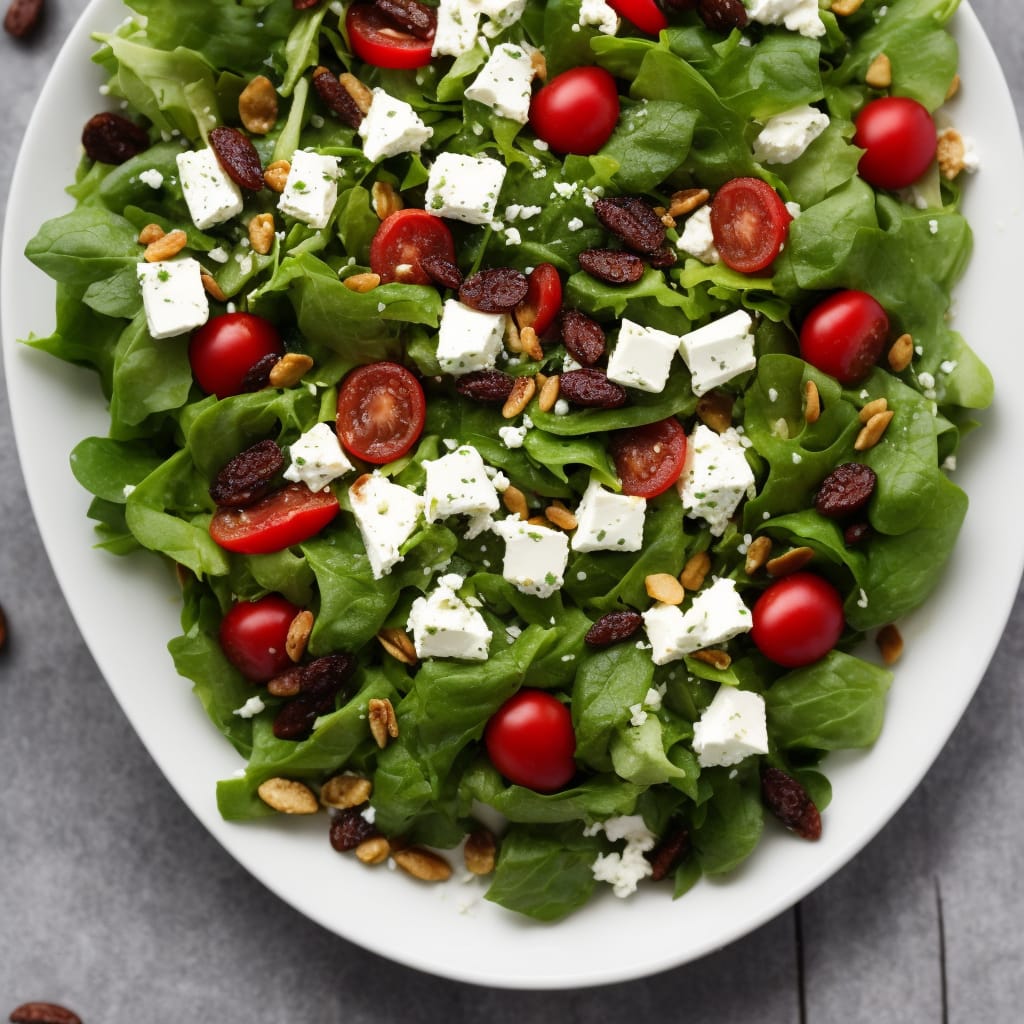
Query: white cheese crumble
point(386, 514)
point(622, 871)
point(535, 556)
point(251, 708)
point(210, 194)
point(173, 296)
point(317, 458)
point(719, 351)
point(391, 127)
point(505, 82)
point(797, 15)
point(716, 476)
point(445, 626)
point(464, 188)
point(732, 727)
point(786, 136)
point(697, 239)
point(458, 484)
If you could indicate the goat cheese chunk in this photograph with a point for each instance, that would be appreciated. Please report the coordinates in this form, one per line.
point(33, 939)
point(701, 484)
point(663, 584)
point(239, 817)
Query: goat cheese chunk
point(797, 15)
point(535, 556)
point(459, 27)
point(716, 477)
point(458, 484)
point(317, 458)
point(210, 194)
point(623, 870)
point(173, 297)
point(386, 514)
point(786, 136)
point(465, 188)
point(608, 521)
point(697, 239)
point(444, 626)
point(468, 339)
point(600, 15)
point(719, 351)
point(311, 189)
point(642, 357)
point(732, 727)
point(504, 83)
point(391, 127)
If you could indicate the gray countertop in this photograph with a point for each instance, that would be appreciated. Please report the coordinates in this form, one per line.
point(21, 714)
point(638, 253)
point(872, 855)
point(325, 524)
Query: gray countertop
point(117, 903)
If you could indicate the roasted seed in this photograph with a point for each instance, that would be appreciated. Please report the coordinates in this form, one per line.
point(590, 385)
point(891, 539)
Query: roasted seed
point(523, 390)
point(151, 233)
point(336, 97)
point(212, 289)
point(633, 220)
point(872, 431)
point(713, 657)
point(442, 272)
point(790, 803)
point(374, 850)
point(664, 587)
point(385, 199)
point(257, 106)
point(496, 290)
point(417, 19)
point(557, 514)
point(166, 247)
point(480, 852)
point(423, 864)
point(847, 489)
point(112, 139)
point(758, 553)
point(238, 156)
point(275, 177)
point(696, 569)
point(349, 828)
point(666, 856)
point(591, 389)
point(844, 8)
point(954, 87)
point(714, 409)
point(299, 630)
point(613, 628)
point(486, 385)
point(515, 501)
point(539, 64)
point(362, 283)
point(261, 233)
point(613, 266)
point(529, 344)
point(289, 796)
point(383, 721)
point(722, 15)
point(43, 1013)
point(890, 644)
point(901, 354)
point(792, 561)
point(583, 337)
point(879, 72)
point(248, 476)
point(951, 153)
point(549, 392)
point(873, 407)
point(397, 643)
point(289, 370)
point(812, 402)
point(344, 791)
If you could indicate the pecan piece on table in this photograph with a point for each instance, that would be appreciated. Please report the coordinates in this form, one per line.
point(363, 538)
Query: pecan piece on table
point(591, 389)
point(613, 266)
point(790, 803)
point(583, 337)
point(486, 385)
point(22, 17)
point(113, 139)
point(238, 156)
point(613, 628)
point(633, 220)
point(497, 290)
point(248, 476)
point(847, 489)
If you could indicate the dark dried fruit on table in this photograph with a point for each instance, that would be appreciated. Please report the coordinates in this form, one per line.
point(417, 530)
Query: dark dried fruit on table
point(22, 17)
point(613, 266)
point(417, 19)
point(591, 389)
point(43, 1013)
point(113, 139)
point(442, 271)
point(337, 97)
point(665, 857)
point(486, 385)
point(248, 476)
point(633, 220)
point(257, 377)
point(613, 628)
point(583, 338)
point(349, 828)
point(847, 489)
point(238, 156)
point(722, 15)
point(790, 803)
point(497, 290)
point(320, 683)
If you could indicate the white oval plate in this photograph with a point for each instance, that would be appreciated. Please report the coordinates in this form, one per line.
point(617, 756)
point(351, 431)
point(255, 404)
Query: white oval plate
point(127, 610)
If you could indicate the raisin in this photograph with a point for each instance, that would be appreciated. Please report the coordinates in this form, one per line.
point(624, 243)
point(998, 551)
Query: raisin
point(591, 388)
point(319, 685)
point(112, 139)
point(613, 628)
point(856, 533)
point(442, 271)
point(417, 19)
point(722, 15)
point(665, 857)
point(486, 385)
point(22, 17)
point(337, 98)
point(613, 266)
point(43, 1013)
point(847, 489)
point(248, 476)
point(790, 803)
point(497, 290)
point(662, 259)
point(349, 828)
point(583, 338)
point(238, 156)
point(633, 220)
point(257, 377)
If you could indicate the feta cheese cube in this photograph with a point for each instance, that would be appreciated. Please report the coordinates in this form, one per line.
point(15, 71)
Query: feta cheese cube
point(465, 188)
point(715, 616)
point(600, 15)
point(173, 297)
point(535, 556)
point(386, 514)
point(608, 521)
point(797, 15)
point(458, 484)
point(468, 339)
point(317, 458)
point(697, 239)
point(732, 727)
point(642, 357)
point(391, 127)
point(505, 82)
point(719, 351)
point(716, 477)
point(212, 197)
point(311, 189)
point(458, 22)
point(444, 626)
point(786, 136)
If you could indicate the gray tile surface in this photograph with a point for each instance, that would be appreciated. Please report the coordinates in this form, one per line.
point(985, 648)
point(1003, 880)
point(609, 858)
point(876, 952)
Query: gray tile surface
point(115, 901)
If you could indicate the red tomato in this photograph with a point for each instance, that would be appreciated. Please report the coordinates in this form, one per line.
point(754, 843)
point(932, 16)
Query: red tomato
point(649, 459)
point(381, 410)
point(531, 742)
point(645, 14)
point(797, 620)
point(543, 299)
point(576, 112)
point(286, 517)
point(899, 139)
point(376, 39)
point(253, 635)
point(844, 335)
point(749, 223)
point(227, 347)
point(403, 239)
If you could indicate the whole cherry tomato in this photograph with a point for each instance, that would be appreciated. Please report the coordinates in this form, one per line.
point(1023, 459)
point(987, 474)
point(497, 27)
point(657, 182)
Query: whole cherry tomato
point(227, 347)
point(378, 40)
point(797, 620)
point(649, 459)
point(285, 517)
point(381, 411)
point(543, 299)
point(844, 335)
point(403, 240)
point(645, 14)
point(253, 635)
point(530, 740)
point(898, 136)
point(576, 112)
point(749, 223)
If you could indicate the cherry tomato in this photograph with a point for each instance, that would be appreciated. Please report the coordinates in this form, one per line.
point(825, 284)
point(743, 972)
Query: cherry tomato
point(376, 39)
point(405, 238)
point(844, 335)
point(530, 740)
point(381, 409)
point(576, 112)
point(645, 14)
point(797, 620)
point(286, 517)
point(650, 458)
point(899, 139)
point(543, 299)
point(749, 223)
point(253, 635)
point(227, 347)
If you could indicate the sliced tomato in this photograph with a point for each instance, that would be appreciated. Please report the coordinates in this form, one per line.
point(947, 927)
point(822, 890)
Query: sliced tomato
point(645, 14)
point(543, 299)
point(649, 459)
point(286, 517)
point(379, 41)
point(749, 223)
point(403, 240)
point(381, 410)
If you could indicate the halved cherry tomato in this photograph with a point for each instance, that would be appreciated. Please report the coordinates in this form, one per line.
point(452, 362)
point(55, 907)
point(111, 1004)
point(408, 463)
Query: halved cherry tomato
point(283, 518)
point(749, 223)
point(543, 299)
point(650, 458)
point(530, 740)
point(381, 410)
point(576, 112)
point(403, 239)
point(376, 39)
point(898, 136)
point(227, 347)
point(844, 335)
point(254, 634)
point(797, 620)
point(645, 14)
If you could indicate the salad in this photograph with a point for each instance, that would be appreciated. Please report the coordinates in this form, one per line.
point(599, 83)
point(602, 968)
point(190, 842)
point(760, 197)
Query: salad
point(539, 403)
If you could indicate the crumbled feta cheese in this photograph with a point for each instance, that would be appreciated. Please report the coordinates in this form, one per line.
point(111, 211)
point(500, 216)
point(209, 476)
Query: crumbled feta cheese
point(697, 239)
point(624, 870)
point(218, 255)
point(716, 476)
point(391, 127)
point(719, 351)
point(458, 23)
point(797, 15)
point(212, 197)
point(458, 484)
point(609, 522)
point(786, 136)
point(468, 339)
point(311, 189)
point(505, 82)
point(151, 177)
point(600, 15)
point(444, 626)
point(464, 188)
point(173, 297)
point(642, 357)
point(386, 514)
point(512, 437)
point(317, 458)
point(251, 708)
point(535, 556)
point(732, 727)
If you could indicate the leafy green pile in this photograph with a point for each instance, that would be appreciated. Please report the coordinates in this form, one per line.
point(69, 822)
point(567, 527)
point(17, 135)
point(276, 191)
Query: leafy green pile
point(690, 101)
